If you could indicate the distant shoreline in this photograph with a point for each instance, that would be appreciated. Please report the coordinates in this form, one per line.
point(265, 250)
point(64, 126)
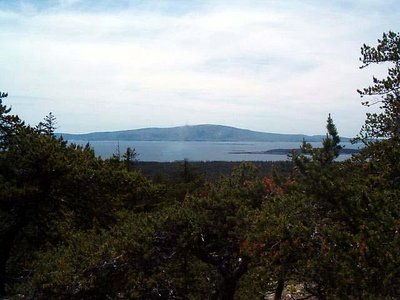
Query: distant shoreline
point(199, 133)
point(201, 151)
point(289, 151)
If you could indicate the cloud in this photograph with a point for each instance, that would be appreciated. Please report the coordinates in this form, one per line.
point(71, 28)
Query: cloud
point(255, 64)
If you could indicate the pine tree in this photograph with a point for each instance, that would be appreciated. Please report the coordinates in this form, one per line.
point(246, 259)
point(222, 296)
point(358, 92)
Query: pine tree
point(49, 125)
point(385, 92)
point(129, 157)
point(9, 124)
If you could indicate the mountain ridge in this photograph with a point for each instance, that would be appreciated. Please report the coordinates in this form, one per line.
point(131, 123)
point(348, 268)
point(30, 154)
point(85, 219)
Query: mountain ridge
point(201, 133)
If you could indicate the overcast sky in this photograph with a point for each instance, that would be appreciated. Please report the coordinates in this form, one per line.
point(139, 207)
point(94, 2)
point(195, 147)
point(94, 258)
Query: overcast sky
point(276, 66)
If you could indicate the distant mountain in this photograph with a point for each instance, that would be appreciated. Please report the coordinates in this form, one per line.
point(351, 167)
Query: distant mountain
point(214, 133)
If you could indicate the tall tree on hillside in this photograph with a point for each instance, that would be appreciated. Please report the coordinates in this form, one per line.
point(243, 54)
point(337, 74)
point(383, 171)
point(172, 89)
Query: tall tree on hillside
point(48, 125)
point(9, 123)
point(290, 222)
point(129, 157)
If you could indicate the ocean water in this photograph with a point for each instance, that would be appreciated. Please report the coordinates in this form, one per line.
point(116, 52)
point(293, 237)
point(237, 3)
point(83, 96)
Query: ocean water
point(165, 151)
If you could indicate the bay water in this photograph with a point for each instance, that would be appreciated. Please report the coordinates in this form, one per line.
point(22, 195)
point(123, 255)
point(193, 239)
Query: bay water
point(166, 151)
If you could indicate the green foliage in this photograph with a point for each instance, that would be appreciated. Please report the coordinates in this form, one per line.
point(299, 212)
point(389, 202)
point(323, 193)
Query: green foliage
point(196, 248)
point(288, 228)
point(387, 123)
point(100, 264)
point(320, 156)
point(50, 188)
point(48, 125)
point(129, 158)
point(334, 229)
point(9, 124)
point(210, 226)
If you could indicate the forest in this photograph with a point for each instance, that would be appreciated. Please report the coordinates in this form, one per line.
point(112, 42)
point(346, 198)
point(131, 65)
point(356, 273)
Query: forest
point(75, 226)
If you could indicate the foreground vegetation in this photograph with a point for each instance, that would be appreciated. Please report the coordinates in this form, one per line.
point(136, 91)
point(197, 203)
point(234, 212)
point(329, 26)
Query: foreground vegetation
point(74, 226)
point(172, 172)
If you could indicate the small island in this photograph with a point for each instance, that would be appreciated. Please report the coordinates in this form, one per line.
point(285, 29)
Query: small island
point(280, 151)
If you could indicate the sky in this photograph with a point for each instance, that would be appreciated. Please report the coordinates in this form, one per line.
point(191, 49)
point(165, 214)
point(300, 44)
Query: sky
point(272, 66)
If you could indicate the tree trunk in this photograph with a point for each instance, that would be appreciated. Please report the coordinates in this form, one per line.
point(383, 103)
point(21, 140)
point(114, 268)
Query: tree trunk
point(227, 288)
point(279, 289)
point(6, 242)
point(230, 279)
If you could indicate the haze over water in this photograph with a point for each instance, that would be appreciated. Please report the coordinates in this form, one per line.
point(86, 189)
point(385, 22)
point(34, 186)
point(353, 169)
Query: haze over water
point(164, 151)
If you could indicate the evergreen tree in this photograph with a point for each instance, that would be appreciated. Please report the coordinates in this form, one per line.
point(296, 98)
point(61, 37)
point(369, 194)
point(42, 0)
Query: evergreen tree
point(48, 125)
point(385, 92)
point(129, 157)
point(9, 124)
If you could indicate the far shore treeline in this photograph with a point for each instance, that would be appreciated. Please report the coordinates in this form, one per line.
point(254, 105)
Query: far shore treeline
point(76, 226)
